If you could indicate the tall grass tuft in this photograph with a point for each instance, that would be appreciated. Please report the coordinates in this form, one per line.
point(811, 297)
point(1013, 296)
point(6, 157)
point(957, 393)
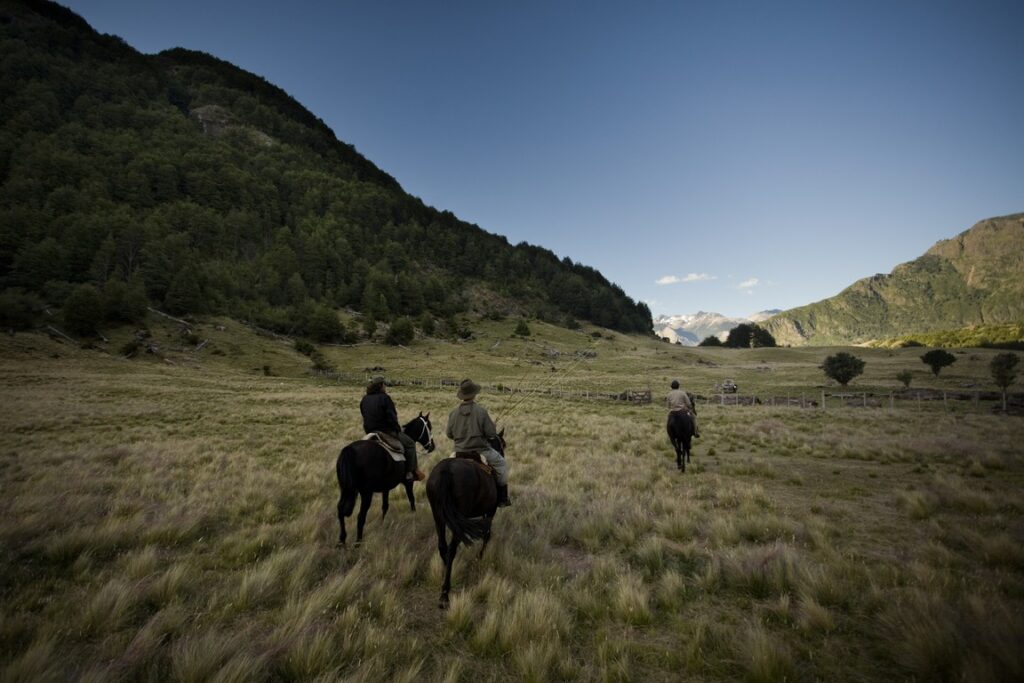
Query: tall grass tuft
point(764, 658)
point(630, 600)
point(39, 662)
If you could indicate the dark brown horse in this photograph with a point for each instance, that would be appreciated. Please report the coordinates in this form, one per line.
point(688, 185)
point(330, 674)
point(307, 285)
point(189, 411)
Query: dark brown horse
point(680, 433)
point(463, 497)
point(365, 468)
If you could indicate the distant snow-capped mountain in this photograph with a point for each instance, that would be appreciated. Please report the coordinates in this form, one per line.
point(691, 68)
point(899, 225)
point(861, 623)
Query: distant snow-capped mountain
point(690, 329)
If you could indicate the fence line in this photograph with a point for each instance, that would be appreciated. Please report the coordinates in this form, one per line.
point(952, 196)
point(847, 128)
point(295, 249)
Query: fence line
point(821, 400)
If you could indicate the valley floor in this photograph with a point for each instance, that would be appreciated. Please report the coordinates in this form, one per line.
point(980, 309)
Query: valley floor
point(177, 522)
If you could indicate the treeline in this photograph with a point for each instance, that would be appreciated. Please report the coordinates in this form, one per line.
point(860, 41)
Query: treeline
point(182, 181)
point(743, 336)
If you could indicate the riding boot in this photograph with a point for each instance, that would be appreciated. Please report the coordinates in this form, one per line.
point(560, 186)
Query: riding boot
point(503, 501)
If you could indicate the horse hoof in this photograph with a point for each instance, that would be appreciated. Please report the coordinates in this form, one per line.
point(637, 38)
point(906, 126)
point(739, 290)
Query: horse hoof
point(341, 544)
point(443, 604)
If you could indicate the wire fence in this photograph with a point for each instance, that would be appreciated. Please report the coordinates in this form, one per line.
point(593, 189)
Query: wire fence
point(821, 399)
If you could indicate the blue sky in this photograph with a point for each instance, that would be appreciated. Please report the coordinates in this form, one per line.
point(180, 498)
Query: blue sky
point(719, 156)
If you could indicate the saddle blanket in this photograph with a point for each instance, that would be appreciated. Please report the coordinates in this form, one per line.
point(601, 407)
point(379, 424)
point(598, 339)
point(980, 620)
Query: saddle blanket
point(477, 458)
point(391, 445)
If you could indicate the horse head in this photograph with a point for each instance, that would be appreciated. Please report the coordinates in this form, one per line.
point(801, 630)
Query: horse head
point(421, 431)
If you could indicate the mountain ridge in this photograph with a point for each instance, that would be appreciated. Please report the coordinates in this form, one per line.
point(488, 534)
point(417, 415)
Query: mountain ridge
point(976, 277)
point(210, 190)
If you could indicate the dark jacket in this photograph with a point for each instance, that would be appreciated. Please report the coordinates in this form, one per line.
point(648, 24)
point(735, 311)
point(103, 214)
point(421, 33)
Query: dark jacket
point(379, 414)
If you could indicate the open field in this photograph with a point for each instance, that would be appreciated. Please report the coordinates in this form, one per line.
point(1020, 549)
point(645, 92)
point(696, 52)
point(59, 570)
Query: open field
point(177, 522)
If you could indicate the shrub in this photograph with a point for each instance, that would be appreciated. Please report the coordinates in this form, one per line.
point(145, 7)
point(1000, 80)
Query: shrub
point(304, 347)
point(904, 378)
point(369, 324)
point(320, 362)
point(320, 322)
point(83, 310)
point(710, 340)
point(843, 367)
point(185, 294)
point(401, 332)
point(427, 323)
point(124, 302)
point(18, 309)
point(522, 329)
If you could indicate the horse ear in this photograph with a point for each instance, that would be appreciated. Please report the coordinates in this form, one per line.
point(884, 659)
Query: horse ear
point(502, 432)
point(427, 415)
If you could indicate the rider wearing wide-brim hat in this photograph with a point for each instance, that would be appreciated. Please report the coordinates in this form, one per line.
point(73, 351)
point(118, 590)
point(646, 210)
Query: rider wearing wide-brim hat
point(469, 427)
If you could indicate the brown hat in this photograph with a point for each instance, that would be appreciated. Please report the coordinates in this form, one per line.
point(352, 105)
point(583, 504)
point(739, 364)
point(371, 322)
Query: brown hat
point(468, 389)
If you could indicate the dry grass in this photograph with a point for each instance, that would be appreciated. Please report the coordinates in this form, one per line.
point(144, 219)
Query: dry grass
point(178, 523)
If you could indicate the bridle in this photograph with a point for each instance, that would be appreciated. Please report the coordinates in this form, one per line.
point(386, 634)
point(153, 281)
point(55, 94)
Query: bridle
point(425, 430)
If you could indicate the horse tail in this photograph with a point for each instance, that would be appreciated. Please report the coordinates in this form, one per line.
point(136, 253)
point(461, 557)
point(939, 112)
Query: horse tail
point(464, 529)
point(346, 480)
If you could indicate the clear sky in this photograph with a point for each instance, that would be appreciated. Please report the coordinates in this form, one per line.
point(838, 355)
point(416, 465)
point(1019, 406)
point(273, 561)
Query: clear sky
point(719, 156)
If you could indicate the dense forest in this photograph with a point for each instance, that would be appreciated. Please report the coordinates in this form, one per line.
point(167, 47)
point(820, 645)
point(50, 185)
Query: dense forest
point(181, 181)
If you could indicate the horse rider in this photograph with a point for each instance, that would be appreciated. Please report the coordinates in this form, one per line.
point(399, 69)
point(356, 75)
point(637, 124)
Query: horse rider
point(380, 415)
point(469, 427)
point(677, 399)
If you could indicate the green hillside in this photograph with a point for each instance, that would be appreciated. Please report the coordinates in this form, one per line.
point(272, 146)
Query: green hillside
point(976, 278)
point(182, 181)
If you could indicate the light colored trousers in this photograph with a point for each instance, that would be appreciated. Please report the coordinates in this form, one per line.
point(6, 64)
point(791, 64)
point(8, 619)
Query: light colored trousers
point(498, 463)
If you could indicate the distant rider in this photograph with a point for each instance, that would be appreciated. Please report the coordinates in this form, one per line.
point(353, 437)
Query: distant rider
point(380, 415)
point(469, 426)
point(677, 399)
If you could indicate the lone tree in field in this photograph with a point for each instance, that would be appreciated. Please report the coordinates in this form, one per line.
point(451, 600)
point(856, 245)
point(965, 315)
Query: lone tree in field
point(843, 367)
point(1004, 371)
point(937, 359)
point(905, 377)
point(710, 340)
point(522, 329)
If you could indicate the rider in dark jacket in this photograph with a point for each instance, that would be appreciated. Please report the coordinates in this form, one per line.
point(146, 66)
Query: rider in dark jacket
point(380, 415)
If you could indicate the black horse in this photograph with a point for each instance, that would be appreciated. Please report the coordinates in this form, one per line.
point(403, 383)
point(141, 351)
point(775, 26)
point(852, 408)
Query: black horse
point(364, 468)
point(680, 433)
point(463, 497)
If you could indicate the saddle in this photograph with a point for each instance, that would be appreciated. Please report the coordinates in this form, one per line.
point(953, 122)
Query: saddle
point(389, 443)
point(477, 458)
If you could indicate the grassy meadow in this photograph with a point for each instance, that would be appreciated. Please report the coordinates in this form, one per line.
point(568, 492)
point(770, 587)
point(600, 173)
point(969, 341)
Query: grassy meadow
point(174, 519)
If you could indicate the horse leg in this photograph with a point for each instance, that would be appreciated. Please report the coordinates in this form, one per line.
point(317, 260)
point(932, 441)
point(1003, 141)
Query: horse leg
point(365, 499)
point(442, 541)
point(410, 495)
point(384, 506)
point(486, 540)
point(341, 520)
point(449, 561)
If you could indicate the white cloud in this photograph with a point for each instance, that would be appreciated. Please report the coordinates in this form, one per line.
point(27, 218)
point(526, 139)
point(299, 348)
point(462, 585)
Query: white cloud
point(689, 277)
point(749, 283)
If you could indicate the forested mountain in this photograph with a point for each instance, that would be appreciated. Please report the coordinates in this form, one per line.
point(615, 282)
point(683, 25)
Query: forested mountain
point(975, 278)
point(183, 180)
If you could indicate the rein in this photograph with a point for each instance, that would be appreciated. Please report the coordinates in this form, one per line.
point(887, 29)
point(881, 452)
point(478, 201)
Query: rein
point(425, 430)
